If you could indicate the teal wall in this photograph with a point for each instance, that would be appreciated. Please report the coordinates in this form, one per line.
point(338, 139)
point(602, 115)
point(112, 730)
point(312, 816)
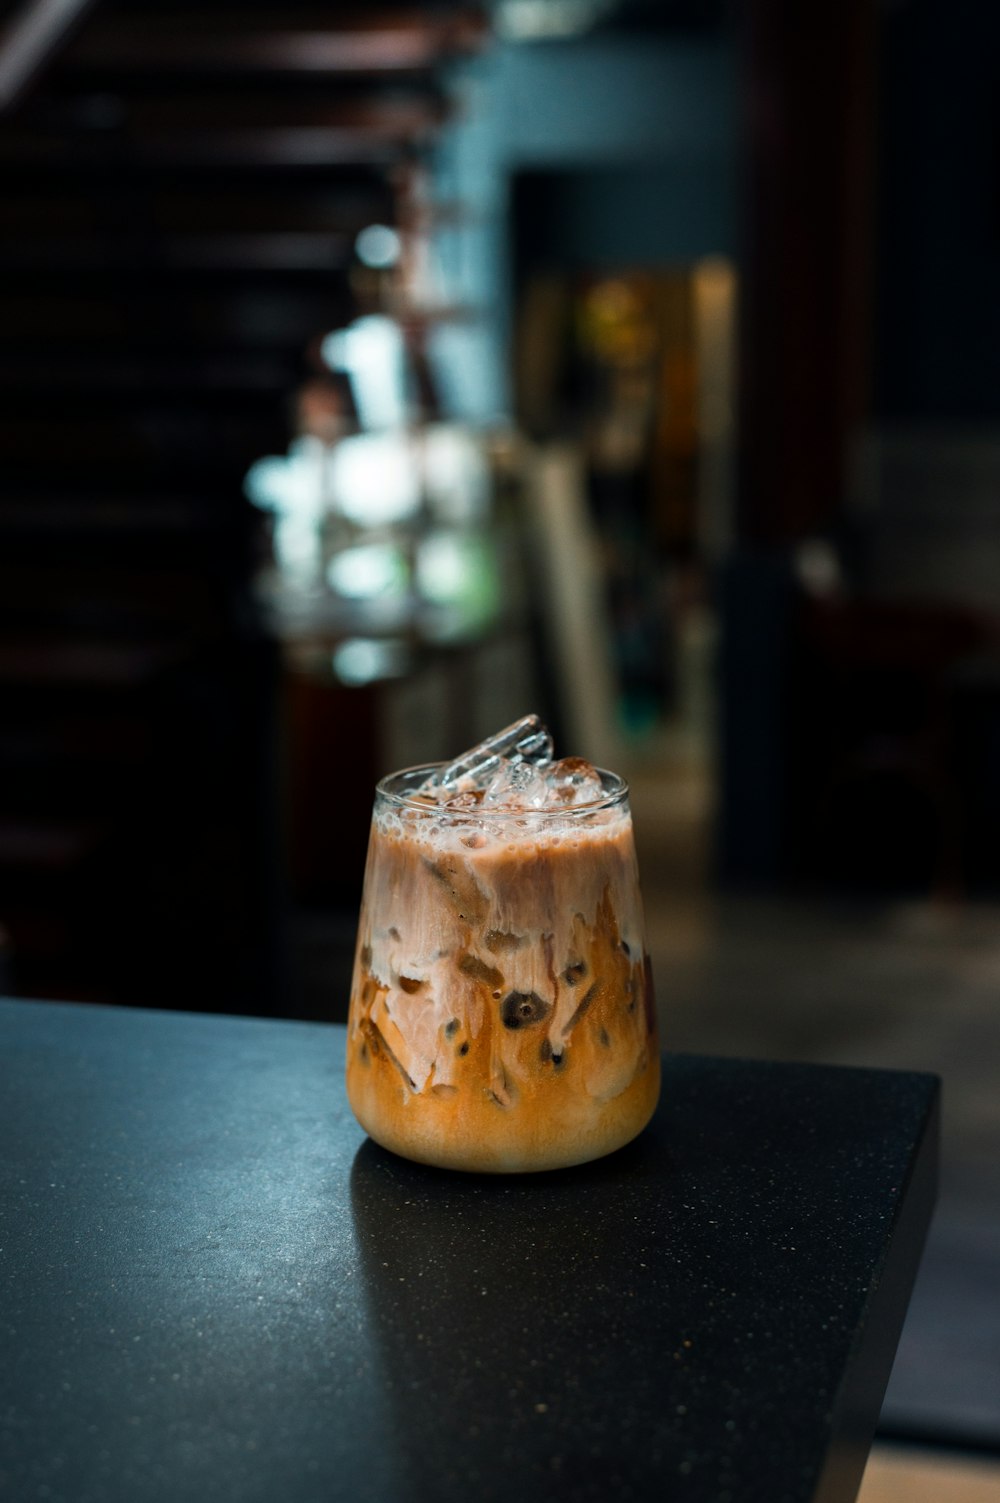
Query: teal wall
point(642, 136)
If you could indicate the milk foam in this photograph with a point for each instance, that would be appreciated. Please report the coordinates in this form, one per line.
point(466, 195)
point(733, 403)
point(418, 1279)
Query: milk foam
point(463, 833)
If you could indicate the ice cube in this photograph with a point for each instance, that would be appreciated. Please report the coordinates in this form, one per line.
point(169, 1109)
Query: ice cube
point(526, 741)
point(574, 781)
point(517, 785)
point(464, 800)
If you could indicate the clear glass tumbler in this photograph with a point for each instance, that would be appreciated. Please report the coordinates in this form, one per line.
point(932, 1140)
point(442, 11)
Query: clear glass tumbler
point(502, 1016)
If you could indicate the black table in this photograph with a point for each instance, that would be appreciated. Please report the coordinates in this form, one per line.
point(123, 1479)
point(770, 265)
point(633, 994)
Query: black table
point(213, 1287)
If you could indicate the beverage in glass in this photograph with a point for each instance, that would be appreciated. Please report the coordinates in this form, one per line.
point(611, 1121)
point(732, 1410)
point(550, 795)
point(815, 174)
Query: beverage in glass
point(502, 1016)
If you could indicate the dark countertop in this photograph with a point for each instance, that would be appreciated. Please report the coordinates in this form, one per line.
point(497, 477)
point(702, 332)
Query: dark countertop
point(213, 1287)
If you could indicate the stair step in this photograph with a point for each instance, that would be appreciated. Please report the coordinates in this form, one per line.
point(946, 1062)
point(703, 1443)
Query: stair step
point(404, 113)
point(84, 518)
point(199, 445)
point(320, 146)
point(44, 846)
point(208, 208)
point(137, 380)
point(124, 277)
point(149, 252)
point(109, 741)
point(408, 41)
point(157, 317)
point(97, 664)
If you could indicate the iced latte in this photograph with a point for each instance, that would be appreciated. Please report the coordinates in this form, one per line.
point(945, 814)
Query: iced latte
point(502, 1014)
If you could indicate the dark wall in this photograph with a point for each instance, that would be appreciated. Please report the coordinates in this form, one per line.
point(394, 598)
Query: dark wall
point(937, 346)
point(637, 214)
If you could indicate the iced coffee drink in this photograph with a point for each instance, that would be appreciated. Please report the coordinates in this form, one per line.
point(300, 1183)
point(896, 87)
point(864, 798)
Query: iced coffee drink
point(502, 1014)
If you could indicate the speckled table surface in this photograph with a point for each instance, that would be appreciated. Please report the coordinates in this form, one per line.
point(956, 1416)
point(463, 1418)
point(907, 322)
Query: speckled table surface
point(213, 1287)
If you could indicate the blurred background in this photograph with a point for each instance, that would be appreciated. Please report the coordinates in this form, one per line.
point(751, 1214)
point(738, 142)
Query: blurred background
point(370, 376)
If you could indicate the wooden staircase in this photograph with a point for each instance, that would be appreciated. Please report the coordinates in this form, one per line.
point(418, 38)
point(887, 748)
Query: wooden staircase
point(180, 191)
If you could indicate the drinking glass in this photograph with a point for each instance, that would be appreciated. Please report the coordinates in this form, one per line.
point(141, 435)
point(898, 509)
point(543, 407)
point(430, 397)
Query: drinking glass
point(502, 1016)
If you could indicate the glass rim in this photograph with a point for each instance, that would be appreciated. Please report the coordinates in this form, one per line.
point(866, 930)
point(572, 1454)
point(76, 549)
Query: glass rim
point(614, 797)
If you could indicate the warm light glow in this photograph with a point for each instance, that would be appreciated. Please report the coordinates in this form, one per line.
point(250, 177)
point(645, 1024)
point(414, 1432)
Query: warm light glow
point(714, 290)
point(713, 286)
